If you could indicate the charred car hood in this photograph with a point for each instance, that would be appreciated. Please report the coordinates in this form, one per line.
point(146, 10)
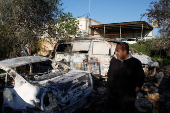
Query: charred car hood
point(64, 77)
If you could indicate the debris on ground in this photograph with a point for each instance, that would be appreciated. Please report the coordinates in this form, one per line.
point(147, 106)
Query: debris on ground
point(154, 96)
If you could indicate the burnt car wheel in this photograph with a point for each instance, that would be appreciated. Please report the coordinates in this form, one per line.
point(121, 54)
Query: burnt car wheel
point(50, 102)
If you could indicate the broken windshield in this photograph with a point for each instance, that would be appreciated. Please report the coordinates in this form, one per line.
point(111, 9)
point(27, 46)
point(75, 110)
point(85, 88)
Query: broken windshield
point(81, 46)
point(64, 48)
point(41, 71)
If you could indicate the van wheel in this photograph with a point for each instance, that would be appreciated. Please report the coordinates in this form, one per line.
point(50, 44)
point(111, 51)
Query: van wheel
point(9, 110)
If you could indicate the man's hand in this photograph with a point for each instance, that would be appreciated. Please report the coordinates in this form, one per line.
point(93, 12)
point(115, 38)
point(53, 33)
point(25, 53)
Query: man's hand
point(137, 89)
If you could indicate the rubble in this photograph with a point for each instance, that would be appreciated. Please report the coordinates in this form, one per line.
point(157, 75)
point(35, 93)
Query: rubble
point(159, 76)
point(143, 105)
point(154, 97)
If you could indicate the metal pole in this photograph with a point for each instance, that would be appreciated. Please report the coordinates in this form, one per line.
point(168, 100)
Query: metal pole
point(89, 17)
point(141, 31)
point(89, 8)
point(6, 79)
point(120, 31)
point(104, 31)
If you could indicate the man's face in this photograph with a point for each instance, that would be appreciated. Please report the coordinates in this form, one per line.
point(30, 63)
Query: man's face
point(119, 53)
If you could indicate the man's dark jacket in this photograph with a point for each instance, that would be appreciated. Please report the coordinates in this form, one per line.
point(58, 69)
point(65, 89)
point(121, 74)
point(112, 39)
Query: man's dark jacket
point(123, 77)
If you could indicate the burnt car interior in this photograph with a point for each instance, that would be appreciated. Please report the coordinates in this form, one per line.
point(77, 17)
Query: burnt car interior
point(33, 72)
point(5, 81)
point(2, 85)
point(41, 70)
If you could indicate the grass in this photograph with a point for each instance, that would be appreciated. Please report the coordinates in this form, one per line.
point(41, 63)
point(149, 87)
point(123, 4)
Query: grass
point(139, 48)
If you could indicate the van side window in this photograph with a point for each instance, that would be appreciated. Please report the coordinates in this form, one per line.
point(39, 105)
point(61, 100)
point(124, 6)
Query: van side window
point(64, 48)
point(100, 48)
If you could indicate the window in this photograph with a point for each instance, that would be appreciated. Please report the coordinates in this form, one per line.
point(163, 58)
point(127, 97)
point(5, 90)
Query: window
point(100, 48)
point(131, 39)
point(81, 46)
point(64, 48)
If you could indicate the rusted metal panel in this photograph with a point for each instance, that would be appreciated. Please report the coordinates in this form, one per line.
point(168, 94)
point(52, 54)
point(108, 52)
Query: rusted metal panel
point(92, 67)
point(104, 63)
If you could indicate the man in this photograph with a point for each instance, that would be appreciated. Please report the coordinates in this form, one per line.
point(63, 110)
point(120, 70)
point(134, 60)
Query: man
point(125, 78)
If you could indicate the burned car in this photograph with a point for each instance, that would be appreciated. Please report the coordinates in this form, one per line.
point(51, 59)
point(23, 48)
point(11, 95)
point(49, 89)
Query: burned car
point(91, 54)
point(39, 84)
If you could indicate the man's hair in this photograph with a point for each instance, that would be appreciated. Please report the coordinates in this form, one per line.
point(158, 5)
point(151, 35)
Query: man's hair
point(124, 46)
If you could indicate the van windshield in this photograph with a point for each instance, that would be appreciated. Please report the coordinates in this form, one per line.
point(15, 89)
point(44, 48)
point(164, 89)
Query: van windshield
point(81, 46)
point(64, 48)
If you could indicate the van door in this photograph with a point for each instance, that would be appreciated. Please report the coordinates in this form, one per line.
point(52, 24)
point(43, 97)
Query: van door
point(101, 53)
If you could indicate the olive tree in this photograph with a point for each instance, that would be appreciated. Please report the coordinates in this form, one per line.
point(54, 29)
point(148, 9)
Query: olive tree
point(22, 21)
point(67, 26)
point(160, 11)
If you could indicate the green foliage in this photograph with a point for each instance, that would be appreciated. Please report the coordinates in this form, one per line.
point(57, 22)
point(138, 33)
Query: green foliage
point(6, 39)
point(139, 48)
point(158, 48)
point(35, 47)
point(21, 20)
point(68, 26)
point(166, 62)
point(162, 45)
point(148, 44)
point(145, 47)
point(160, 12)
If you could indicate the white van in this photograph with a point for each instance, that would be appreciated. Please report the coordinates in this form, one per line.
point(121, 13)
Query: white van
point(93, 55)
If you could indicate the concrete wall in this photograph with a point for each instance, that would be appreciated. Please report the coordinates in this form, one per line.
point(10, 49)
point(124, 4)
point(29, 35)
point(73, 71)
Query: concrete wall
point(84, 23)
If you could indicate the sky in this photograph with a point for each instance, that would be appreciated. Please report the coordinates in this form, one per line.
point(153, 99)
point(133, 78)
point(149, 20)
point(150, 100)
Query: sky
point(109, 11)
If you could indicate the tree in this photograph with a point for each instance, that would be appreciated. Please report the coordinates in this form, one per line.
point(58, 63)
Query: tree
point(160, 11)
point(21, 21)
point(67, 26)
point(162, 46)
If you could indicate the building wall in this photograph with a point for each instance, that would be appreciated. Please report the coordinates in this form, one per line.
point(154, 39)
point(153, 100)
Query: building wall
point(148, 34)
point(84, 23)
